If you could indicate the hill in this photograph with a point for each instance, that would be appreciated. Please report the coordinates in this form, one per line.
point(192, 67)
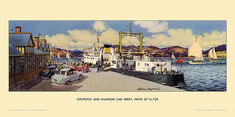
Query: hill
point(157, 52)
point(177, 51)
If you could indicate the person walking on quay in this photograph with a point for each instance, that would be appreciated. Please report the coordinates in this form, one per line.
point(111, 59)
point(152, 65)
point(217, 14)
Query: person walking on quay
point(98, 66)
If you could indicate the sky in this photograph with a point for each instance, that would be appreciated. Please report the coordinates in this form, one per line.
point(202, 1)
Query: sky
point(83, 34)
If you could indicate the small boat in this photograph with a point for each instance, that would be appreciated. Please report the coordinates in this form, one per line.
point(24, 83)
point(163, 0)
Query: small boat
point(67, 55)
point(58, 55)
point(195, 51)
point(172, 56)
point(212, 55)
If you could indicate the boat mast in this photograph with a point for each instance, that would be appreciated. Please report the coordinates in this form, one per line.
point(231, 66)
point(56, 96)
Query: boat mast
point(130, 27)
point(98, 40)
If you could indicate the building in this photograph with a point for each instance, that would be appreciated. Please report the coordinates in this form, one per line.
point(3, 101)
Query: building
point(41, 54)
point(15, 57)
point(44, 46)
point(26, 58)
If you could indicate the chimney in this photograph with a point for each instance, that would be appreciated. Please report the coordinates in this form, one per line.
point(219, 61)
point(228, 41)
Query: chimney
point(36, 42)
point(17, 29)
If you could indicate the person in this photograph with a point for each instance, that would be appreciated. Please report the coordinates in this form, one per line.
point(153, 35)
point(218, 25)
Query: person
point(153, 68)
point(98, 66)
point(90, 64)
point(56, 71)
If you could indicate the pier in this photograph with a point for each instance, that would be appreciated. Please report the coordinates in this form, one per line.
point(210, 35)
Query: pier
point(105, 82)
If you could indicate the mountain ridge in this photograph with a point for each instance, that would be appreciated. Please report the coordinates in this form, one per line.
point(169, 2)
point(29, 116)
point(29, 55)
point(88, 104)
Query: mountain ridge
point(178, 51)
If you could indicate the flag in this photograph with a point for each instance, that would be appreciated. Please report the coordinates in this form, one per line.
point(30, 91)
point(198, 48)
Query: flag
point(180, 61)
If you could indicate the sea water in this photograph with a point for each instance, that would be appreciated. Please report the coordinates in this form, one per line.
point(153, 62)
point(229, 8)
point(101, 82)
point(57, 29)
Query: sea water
point(210, 76)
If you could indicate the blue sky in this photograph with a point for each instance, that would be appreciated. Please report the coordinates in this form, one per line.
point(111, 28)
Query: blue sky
point(160, 32)
point(54, 27)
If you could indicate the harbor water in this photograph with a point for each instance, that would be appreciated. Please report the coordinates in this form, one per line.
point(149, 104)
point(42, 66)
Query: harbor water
point(210, 76)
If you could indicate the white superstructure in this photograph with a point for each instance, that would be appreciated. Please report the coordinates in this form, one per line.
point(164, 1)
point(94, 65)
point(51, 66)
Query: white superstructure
point(91, 56)
point(142, 64)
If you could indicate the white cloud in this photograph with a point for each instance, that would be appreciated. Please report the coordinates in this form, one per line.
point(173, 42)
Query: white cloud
point(75, 39)
point(80, 39)
point(153, 26)
point(181, 37)
point(185, 38)
point(157, 40)
point(110, 36)
point(99, 25)
point(215, 38)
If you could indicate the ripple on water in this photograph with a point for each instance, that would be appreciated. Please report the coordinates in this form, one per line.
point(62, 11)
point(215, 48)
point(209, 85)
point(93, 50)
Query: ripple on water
point(207, 77)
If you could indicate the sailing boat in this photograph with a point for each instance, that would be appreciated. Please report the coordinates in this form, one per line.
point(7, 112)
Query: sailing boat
point(195, 51)
point(172, 56)
point(212, 54)
point(67, 55)
point(58, 55)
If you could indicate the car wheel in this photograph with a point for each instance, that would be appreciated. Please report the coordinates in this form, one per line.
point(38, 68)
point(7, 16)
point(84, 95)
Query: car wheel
point(80, 77)
point(67, 82)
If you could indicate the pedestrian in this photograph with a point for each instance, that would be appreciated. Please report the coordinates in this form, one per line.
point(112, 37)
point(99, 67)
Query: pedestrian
point(56, 71)
point(98, 66)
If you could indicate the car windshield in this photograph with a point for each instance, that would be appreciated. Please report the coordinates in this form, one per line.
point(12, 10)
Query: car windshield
point(45, 70)
point(62, 72)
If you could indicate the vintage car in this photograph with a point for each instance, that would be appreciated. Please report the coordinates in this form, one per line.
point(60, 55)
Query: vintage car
point(66, 75)
point(47, 72)
point(81, 68)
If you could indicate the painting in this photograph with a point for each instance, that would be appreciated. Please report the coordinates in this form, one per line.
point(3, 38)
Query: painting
point(118, 55)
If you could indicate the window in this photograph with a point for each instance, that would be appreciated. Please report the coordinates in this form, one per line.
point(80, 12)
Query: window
point(62, 72)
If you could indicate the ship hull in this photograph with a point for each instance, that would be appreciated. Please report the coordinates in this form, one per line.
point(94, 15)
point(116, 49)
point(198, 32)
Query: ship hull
point(176, 80)
point(195, 62)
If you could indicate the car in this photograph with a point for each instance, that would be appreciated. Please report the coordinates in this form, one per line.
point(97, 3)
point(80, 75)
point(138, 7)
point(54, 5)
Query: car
point(47, 72)
point(65, 76)
point(82, 69)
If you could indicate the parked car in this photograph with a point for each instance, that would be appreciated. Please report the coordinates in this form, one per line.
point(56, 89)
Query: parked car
point(66, 75)
point(81, 68)
point(47, 72)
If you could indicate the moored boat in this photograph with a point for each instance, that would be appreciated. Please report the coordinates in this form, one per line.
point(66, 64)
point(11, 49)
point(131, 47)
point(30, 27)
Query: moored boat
point(141, 65)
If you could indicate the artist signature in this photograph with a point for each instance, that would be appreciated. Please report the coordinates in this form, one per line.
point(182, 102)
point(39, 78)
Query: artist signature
point(149, 89)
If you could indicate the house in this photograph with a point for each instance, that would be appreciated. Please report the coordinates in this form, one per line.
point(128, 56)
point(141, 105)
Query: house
point(15, 57)
point(23, 42)
point(25, 56)
point(41, 56)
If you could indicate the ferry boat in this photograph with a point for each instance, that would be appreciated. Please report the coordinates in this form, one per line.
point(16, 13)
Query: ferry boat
point(143, 67)
point(92, 55)
point(140, 64)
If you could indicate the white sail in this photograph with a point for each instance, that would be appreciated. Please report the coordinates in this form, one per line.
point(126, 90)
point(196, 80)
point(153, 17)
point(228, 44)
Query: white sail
point(195, 50)
point(212, 54)
point(173, 56)
point(58, 55)
point(67, 55)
